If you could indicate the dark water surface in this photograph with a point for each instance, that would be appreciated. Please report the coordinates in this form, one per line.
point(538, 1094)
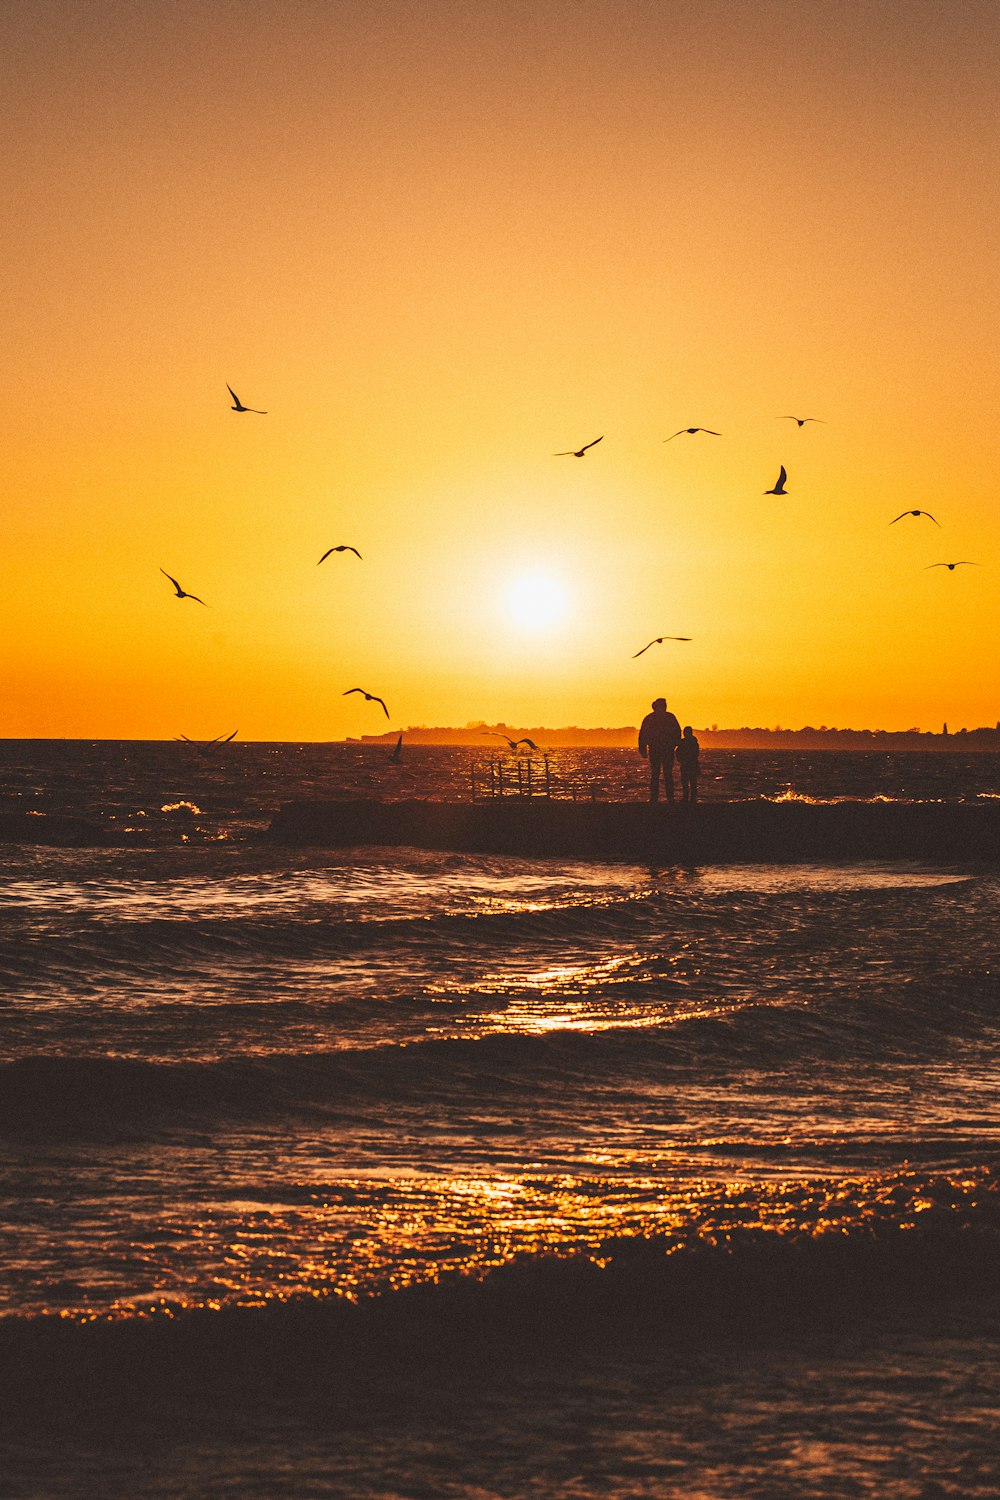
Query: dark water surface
point(754, 1109)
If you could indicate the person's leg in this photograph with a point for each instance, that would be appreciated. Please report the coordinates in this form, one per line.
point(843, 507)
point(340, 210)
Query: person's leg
point(655, 762)
point(694, 787)
point(668, 775)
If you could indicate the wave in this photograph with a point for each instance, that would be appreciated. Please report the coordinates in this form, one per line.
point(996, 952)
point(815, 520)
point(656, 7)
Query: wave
point(151, 944)
point(632, 1293)
point(51, 1094)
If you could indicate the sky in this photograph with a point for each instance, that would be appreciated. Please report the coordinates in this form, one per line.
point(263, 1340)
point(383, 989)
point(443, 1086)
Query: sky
point(439, 243)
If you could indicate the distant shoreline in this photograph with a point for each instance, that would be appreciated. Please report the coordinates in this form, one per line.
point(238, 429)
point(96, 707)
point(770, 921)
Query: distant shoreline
point(625, 738)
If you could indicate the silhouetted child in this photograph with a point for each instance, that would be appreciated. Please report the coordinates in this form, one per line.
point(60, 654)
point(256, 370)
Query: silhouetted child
point(687, 759)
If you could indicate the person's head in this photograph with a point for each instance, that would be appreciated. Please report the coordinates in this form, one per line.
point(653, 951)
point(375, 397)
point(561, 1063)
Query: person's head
point(687, 732)
point(659, 705)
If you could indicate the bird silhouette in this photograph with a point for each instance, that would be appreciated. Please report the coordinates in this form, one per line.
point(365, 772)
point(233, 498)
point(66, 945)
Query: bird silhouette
point(801, 420)
point(710, 430)
point(513, 744)
point(397, 754)
point(964, 563)
point(342, 548)
point(368, 697)
point(578, 452)
point(205, 747)
point(658, 641)
point(239, 404)
point(779, 483)
point(182, 593)
point(916, 513)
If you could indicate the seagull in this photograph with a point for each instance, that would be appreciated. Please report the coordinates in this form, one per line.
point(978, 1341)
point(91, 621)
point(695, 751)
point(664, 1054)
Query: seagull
point(239, 404)
point(801, 420)
point(342, 548)
point(181, 593)
point(779, 484)
point(397, 754)
point(495, 733)
point(659, 639)
point(710, 430)
point(965, 563)
point(368, 697)
point(916, 513)
point(578, 452)
point(206, 747)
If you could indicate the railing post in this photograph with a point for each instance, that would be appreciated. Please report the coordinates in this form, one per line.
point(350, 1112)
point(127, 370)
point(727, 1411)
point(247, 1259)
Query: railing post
point(548, 781)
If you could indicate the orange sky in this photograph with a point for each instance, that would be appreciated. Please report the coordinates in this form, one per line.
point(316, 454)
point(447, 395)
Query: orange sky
point(440, 242)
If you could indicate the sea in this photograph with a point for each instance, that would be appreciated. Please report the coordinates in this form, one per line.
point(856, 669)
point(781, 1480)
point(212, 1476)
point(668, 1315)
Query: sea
point(387, 1172)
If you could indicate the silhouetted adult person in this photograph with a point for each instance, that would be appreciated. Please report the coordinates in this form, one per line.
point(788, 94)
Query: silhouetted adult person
point(659, 737)
point(687, 760)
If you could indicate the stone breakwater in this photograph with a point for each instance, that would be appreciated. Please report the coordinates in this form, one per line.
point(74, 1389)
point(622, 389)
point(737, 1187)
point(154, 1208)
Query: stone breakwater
point(716, 832)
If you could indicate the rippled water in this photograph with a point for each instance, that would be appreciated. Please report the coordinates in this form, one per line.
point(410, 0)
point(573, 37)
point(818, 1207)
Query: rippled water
point(233, 1075)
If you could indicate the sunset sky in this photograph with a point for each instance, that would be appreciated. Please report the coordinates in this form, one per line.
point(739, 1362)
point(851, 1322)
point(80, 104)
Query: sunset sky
point(440, 242)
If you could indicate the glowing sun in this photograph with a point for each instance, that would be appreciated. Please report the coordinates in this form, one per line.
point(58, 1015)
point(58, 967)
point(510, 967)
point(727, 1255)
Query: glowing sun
point(536, 601)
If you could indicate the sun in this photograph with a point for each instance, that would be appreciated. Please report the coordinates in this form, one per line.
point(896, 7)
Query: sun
point(537, 601)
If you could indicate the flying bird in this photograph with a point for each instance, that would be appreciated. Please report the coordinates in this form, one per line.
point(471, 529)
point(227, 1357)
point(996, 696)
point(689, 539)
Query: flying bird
point(659, 639)
point(182, 593)
point(779, 483)
point(239, 404)
point(964, 563)
point(342, 548)
point(578, 452)
point(368, 697)
point(397, 754)
point(710, 430)
point(206, 747)
point(513, 744)
point(916, 513)
point(801, 420)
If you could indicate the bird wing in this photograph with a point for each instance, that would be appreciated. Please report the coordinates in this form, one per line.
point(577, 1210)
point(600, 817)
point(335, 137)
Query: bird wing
point(234, 395)
point(937, 565)
point(678, 637)
point(782, 476)
point(196, 599)
point(711, 431)
point(379, 700)
point(355, 551)
point(180, 591)
point(566, 453)
point(326, 554)
point(675, 434)
point(899, 517)
point(591, 445)
point(645, 648)
point(351, 690)
point(230, 737)
point(930, 517)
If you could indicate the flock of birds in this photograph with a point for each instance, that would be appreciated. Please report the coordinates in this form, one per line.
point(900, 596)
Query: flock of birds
point(778, 488)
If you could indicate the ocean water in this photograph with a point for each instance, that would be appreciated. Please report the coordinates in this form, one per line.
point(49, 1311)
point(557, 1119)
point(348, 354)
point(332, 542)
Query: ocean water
point(387, 1172)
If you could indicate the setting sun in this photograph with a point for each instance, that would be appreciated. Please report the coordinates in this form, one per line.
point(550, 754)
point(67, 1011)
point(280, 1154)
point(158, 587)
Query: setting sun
point(537, 601)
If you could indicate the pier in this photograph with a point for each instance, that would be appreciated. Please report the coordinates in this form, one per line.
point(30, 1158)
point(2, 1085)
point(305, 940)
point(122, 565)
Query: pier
point(710, 832)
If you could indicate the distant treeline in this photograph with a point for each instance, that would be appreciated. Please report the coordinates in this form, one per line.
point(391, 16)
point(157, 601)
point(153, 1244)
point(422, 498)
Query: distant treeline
point(714, 738)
